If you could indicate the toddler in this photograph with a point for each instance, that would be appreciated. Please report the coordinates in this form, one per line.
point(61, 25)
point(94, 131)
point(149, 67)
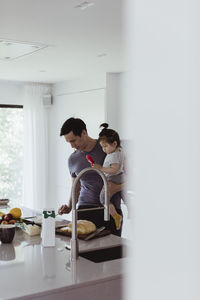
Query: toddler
point(113, 166)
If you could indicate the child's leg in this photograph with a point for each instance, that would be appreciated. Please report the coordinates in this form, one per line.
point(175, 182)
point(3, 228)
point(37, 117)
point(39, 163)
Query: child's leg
point(117, 218)
point(112, 209)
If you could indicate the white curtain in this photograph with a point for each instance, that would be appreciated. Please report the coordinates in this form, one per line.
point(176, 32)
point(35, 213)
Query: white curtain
point(35, 146)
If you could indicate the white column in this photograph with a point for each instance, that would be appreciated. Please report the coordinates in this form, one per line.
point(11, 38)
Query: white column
point(163, 83)
point(113, 100)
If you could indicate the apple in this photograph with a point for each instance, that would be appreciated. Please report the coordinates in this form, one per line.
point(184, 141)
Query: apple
point(7, 217)
point(11, 221)
point(4, 222)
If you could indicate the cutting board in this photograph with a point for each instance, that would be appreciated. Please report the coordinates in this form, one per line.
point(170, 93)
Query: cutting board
point(67, 233)
point(83, 236)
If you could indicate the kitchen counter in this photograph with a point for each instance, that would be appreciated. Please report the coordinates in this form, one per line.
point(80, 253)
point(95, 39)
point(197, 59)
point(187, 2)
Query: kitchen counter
point(30, 271)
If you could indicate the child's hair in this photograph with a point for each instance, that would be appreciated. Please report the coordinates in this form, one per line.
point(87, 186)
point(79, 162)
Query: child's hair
point(109, 135)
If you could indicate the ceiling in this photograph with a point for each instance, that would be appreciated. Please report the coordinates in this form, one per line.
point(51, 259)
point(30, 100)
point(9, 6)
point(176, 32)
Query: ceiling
point(80, 42)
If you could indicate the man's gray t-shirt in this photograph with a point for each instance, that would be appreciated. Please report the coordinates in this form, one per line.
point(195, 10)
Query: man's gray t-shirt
point(91, 182)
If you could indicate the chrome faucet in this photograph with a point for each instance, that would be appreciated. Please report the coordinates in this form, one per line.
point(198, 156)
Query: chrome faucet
point(74, 239)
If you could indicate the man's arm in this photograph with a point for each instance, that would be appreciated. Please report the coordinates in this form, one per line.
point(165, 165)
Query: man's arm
point(66, 208)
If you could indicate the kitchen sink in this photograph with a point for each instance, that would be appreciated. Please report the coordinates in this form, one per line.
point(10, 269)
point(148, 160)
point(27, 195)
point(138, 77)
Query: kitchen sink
point(105, 254)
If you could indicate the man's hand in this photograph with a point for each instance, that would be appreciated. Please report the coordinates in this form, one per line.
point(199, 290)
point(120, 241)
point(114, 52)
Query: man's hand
point(64, 209)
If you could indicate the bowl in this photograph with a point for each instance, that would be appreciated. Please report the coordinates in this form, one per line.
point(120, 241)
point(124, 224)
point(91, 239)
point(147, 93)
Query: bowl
point(4, 201)
point(7, 233)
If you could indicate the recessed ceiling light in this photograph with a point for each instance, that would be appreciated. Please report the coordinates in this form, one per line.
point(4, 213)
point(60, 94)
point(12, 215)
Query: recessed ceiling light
point(84, 5)
point(14, 49)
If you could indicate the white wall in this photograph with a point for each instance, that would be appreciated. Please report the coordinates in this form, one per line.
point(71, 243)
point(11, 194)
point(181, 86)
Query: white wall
point(116, 103)
point(81, 98)
point(11, 92)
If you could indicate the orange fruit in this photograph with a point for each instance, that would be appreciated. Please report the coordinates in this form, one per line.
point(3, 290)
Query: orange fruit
point(15, 212)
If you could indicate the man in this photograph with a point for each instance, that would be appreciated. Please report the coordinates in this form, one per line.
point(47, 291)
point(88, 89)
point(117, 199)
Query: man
point(75, 132)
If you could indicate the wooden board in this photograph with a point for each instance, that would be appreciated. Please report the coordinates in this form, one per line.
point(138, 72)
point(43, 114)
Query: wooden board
point(83, 236)
point(67, 233)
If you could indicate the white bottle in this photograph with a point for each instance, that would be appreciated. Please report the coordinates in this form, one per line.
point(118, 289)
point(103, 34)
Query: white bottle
point(48, 227)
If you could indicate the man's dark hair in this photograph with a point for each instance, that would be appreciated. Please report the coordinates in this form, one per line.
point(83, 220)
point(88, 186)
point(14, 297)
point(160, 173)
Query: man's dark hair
point(73, 124)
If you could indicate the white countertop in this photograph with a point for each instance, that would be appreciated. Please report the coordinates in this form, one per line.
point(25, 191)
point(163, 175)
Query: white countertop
point(27, 268)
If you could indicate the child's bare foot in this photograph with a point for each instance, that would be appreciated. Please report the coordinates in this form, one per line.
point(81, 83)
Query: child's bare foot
point(117, 218)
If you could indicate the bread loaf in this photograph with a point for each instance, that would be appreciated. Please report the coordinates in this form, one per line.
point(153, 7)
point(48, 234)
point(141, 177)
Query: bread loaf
point(83, 227)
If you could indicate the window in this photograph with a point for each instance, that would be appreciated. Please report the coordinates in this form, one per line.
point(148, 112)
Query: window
point(11, 152)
